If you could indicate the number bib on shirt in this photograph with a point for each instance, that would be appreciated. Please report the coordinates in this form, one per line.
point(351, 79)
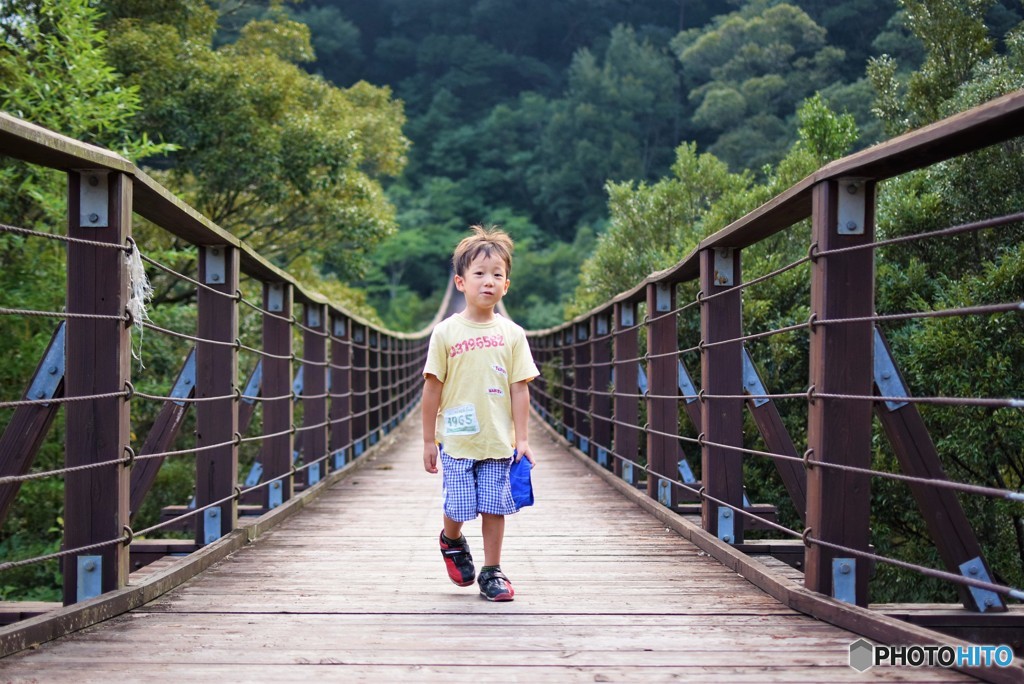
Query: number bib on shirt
point(461, 420)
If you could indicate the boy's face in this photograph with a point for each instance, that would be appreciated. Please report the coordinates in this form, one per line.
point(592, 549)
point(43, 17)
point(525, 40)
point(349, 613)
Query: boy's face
point(485, 281)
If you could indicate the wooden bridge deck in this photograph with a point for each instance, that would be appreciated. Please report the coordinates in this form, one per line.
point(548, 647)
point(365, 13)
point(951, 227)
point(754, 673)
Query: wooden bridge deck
point(353, 589)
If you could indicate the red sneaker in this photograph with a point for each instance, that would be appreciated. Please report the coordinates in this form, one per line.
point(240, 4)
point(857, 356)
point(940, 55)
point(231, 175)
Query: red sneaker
point(458, 561)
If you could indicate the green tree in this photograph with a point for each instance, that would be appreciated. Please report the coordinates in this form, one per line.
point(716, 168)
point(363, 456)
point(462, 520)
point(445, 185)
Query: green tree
point(747, 72)
point(280, 158)
point(616, 122)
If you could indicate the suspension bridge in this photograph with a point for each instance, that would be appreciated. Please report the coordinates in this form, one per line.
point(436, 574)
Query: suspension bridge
point(305, 548)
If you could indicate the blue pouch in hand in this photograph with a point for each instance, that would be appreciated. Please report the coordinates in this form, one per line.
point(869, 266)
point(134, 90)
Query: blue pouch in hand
point(522, 488)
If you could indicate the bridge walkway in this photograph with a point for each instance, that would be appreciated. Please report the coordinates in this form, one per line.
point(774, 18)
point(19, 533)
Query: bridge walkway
point(353, 589)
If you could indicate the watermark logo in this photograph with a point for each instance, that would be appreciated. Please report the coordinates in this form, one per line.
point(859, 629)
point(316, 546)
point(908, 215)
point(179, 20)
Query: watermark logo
point(865, 655)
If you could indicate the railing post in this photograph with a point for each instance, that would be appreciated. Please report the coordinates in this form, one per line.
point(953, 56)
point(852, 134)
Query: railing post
point(98, 361)
point(278, 407)
point(662, 400)
point(341, 391)
point(626, 403)
point(314, 407)
point(359, 385)
point(566, 340)
point(373, 375)
point(722, 374)
point(583, 369)
point(600, 379)
point(839, 430)
point(217, 376)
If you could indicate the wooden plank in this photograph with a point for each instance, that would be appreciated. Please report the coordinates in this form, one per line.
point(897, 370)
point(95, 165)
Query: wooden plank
point(341, 389)
point(839, 431)
point(98, 359)
point(600, 381)
point(29, 425)
point(278, 408)
point(663, 390)
point(314, 406)
point(216, 376)
point(626, 406)
point(947, 523)
point(582, 371)
point(721, 369)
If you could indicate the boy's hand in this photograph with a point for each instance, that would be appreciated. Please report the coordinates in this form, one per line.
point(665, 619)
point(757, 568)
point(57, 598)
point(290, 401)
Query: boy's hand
point(430, 457)
point(523, 449)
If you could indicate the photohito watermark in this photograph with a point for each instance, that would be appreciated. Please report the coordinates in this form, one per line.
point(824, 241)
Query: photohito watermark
point(865, 655)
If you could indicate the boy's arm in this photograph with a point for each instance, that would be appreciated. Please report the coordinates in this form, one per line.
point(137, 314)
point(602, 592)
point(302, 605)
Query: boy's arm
point(521, 417)
point(431, 401)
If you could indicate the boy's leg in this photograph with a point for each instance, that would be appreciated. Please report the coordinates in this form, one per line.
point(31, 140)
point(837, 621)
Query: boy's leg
point(495, 498)
point(459, 506)
point(493, 528)
point(452, 529)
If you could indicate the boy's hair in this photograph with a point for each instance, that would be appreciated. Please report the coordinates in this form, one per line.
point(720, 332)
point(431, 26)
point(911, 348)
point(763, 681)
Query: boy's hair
point(489, 241)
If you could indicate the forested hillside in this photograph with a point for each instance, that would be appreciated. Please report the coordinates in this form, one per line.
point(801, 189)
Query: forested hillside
point(520, 111)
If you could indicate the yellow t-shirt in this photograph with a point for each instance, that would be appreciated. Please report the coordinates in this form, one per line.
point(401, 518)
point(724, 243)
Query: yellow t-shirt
point(478, 363)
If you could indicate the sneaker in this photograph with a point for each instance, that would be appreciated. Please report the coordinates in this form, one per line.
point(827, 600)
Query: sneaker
point(494, 586)
point(458, 561)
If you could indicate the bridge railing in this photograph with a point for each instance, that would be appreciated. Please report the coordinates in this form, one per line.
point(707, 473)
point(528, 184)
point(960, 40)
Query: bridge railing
point(666, 369)
point(274, 386)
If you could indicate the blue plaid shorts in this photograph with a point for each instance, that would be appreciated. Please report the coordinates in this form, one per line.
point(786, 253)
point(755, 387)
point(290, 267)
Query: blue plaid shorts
point(472, 487)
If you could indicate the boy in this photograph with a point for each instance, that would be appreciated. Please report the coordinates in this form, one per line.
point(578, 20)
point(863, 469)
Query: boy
point(475, 409)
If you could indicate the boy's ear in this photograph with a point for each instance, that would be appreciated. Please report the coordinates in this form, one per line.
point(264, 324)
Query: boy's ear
point(460, 283)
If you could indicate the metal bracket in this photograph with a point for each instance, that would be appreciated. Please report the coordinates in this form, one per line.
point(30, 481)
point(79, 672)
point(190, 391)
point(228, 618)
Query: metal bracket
point(90, 577)
point(186, 379)
point(340, 326)
point(314, 474)
point(339, 458)
point(582, 332)
point(360, 447)
point(275, 297)
point(252, 388)
point(723, 266)
point(886, 376)
point(665, 493)
point(255, 474)
point(215, 260)
point(626, 316)
point(373, 339)
point(686, 384)
point(844, 579)
point(570, 436)
point(567, 336)
point(662, 297)
point(752, 381)
point(374, 437)
point(51, 370)
point(602, 324)
point(297, 383)
point(94, 199)
point(275, 494)
point(851, 207)
point(313, 316)
point(627, 472)
point(357, 334)
point(685, 472)
point(641, 379)
point(602, 457)
point(584, 445)
point(211, 524)
point(984, 598)
point(726, 529)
